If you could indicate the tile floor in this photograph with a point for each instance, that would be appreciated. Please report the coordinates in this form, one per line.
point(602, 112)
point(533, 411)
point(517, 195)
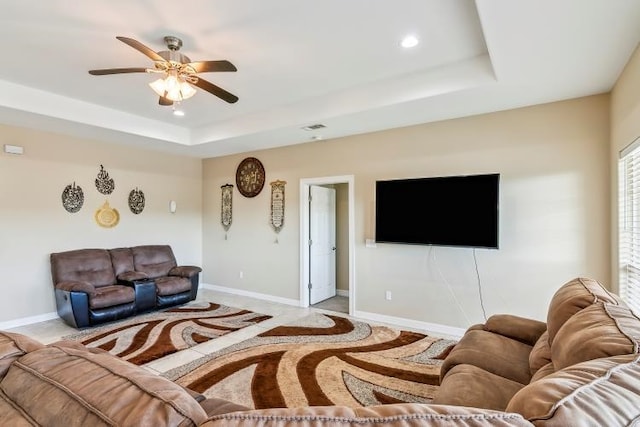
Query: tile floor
point(53, 330)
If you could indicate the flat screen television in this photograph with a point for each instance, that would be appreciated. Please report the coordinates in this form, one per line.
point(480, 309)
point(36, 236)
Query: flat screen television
point(444, 211)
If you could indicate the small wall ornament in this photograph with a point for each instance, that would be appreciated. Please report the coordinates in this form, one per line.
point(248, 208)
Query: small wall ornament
point(226, 213)
point(72, 198)
point(104, 184)
point(136, 201)
point(277, 205)
point(106, 216)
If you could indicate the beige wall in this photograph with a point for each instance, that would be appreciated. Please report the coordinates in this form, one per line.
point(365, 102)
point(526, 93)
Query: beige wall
point(625, 128)
point(554, 204)
point(34, 223)
point(342, 236)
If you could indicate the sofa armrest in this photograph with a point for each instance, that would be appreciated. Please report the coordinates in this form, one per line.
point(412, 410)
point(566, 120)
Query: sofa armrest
point(184, 271)
point(73, 286)
point(390, 415)
point(518, 328)
point(131, 276)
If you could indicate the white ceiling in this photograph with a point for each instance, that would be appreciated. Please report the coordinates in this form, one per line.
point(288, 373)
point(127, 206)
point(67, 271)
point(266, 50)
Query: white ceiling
point(301, 62)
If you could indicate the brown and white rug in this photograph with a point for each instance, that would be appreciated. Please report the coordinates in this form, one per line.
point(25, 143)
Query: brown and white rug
point(321, 360)
point(148, 337)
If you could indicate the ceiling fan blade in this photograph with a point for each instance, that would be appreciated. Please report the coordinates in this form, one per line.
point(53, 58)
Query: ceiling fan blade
point(206, 66)
point(164, 101)
point(141, 48)
point(216, 90)
point(117, 71)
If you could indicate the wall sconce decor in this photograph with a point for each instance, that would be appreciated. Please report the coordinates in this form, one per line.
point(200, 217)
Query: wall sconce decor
point(72, 198)
point(136, 201)
point(104, 184)
point(226, 212)
point(277, 205)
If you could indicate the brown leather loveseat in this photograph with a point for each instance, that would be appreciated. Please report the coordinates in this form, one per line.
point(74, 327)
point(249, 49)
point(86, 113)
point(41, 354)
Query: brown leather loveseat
point(93, 286)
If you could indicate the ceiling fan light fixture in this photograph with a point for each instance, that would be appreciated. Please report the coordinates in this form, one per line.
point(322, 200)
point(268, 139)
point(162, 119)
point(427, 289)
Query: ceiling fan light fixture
point(173, 88)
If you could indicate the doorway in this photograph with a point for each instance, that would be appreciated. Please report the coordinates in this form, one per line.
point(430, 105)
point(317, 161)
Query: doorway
point(345, 225)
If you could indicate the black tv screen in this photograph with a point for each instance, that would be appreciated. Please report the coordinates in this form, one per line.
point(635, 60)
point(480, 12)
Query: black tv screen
point(444, 211)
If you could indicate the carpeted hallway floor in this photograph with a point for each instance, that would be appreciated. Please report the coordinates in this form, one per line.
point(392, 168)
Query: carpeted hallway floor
point(338, 304)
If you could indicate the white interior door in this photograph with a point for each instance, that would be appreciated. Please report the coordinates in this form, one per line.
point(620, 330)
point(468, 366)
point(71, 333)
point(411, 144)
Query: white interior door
point(322, 244)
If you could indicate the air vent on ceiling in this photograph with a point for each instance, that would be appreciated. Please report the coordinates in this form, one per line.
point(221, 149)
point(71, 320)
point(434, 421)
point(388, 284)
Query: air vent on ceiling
point(314, 127)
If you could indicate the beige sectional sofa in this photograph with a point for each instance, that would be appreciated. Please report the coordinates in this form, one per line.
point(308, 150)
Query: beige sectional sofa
point(580, 368)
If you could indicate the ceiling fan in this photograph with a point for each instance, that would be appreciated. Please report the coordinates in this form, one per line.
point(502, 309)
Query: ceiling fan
point(177, 70)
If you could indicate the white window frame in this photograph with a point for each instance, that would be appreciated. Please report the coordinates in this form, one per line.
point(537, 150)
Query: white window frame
point(629, 225)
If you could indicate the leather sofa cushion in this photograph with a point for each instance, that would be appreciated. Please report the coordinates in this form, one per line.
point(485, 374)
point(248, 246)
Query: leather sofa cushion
point(108, 296)
point(600, 330)
point(543, 372)
point(493, 353)
point(130, 276)
point(540, 353)
point(468, 385)
point(153, 260)
point(122, 260)
point(66, 386)
point(601, 392)
point(572, 297)
point(172, 285)
point(12, 347)
point(397, 415)
point(83, 265)
point(12, 416)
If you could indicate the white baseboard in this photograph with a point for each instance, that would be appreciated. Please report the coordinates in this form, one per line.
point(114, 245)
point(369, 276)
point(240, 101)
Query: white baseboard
point(437, 329)
point(28, 320)
point(250, 294)
point(342, 292)
point(409, 323)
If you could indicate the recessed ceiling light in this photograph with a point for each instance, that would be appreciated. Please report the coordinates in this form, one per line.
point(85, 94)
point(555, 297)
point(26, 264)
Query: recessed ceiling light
point(409, 41)
point(178, 113)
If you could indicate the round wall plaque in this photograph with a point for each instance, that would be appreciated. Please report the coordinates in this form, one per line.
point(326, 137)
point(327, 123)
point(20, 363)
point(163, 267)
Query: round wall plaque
point(106, 216)
point(250, 177)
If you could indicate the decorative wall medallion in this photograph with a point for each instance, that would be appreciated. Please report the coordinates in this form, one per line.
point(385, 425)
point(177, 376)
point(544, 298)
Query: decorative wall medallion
point(226, 214)
point(104, 184)
point(106, 216)
point(136, 201)
point(250, 177)
point(72, 198)
point(277, 205)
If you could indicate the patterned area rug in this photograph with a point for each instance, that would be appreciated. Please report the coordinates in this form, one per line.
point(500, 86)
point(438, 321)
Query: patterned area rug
point(321, 360)
point(148, 337)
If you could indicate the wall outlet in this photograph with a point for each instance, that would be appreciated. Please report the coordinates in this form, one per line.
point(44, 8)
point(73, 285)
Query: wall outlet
point(387, 295)
point(241, 275)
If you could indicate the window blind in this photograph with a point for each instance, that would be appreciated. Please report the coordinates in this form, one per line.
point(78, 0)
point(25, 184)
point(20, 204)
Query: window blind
point(629, 225)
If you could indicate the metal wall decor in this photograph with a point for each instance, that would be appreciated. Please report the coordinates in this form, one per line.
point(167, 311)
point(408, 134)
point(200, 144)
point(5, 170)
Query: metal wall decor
point(106, 216)
point(136, 201)
point(277, 205)
point(72, 198)
point(226, 214)
point(104, 184)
